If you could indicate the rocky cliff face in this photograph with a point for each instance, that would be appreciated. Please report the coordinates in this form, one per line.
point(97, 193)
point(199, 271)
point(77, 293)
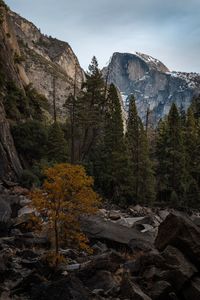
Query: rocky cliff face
point(151, 82)
point(45, 58)
point(29, 57)
point(10, 166)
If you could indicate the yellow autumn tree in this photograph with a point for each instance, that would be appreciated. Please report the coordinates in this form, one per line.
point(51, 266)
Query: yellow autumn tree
point(66, 195)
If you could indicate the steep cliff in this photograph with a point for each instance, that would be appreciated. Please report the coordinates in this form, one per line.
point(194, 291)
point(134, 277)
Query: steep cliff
point(10, 166)
point(29, 57)
point(45, 58)
point(153, 85)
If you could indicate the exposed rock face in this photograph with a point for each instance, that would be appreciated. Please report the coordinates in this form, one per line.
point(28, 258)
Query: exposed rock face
point(33, 58)
point(153, 85)
point(10, 166)
point(46, 58)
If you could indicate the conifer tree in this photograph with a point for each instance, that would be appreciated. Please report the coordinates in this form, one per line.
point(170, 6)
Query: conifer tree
point(192, 159)
point(162, 176)
point(171, 169)
point(57, 146)
point(142, 179)
point(90, 105)
point(114, 171)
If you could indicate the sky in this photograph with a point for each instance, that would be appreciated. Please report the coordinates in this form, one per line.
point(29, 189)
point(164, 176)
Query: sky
point(168, 30)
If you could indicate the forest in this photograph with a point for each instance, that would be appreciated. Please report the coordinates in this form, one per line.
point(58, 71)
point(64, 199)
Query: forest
point(131, 161)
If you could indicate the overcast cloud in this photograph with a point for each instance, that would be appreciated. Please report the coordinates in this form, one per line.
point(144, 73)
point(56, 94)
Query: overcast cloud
point(168, 30)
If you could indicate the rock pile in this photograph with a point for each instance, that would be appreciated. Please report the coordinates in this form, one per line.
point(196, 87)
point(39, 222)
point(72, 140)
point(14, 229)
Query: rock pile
point(138, 254)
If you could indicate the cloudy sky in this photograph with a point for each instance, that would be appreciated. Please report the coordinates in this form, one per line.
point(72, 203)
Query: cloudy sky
point(168, 30)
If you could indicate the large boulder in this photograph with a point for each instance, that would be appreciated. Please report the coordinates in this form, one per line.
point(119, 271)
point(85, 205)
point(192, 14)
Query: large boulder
point(131, 290)
point(179, 231)
point(161, 291)
point(180, 270)
point(69, 288)
point(102, 280)
point(5, 216)
point(192, 291)
point(98, 228)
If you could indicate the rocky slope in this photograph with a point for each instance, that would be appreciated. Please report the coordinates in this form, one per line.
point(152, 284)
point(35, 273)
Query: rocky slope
point(45, 58)
point(138, 253)
point(151, 82)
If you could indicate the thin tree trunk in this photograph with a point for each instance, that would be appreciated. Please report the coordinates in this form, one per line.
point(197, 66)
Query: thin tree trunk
point(54, 99)
point(147, 120)
point(73, 118)
point(56, 237)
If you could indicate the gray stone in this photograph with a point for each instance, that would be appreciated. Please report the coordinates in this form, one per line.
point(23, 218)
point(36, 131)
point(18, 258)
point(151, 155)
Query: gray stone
point(180, 269)
point(132, 291)
point(114, 215)
point(99, 228)
point(179, 231)
point(103, 280)
point(161, 290)
point(5, 211)
point(193, 290)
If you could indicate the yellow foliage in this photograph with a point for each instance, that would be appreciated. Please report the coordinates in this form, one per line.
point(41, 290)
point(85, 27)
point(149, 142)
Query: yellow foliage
point(66, 195)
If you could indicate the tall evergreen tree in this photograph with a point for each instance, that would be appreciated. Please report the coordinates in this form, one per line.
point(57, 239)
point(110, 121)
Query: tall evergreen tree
point(90, 106)
point(57, 146)
point(114, 169)
point(162, 161)
point(192, 159)
point(171, 169)
point(141, 169)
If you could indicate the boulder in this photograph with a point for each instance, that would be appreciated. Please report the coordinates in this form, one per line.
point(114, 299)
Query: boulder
point(5, 211)
point(114, 215)
point(30, 240)
point(179, 231)
point(132, 291)
point(99, 247)
point(26, 210)
point(161, 290)
point(96, 227)
point(110, 261)
point(69, 288)
point(192, 291)
point(180, 270)
point(5, 217)
point(163, 214)
point(102, 280)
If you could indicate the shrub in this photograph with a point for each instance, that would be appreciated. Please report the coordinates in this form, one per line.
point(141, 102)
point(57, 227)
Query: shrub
point(28, 179)
point(30, 139)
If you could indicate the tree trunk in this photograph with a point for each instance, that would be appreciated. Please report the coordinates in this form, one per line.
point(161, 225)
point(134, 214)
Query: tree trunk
point(56, 238)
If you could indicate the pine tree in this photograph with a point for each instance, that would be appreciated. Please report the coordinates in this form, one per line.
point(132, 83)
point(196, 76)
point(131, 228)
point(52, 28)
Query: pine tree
point(114, 171)
point(57, 146)
point(195, 106)
point(162, 138)
point(90, 106)
point(176, 153)
point(142, 180)
point(171, 169)
point(192, 159)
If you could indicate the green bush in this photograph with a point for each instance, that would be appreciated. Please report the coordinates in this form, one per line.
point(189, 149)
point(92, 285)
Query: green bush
point(16, 103)
point(28, 179)
point(30, 139)
point(37, 102)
